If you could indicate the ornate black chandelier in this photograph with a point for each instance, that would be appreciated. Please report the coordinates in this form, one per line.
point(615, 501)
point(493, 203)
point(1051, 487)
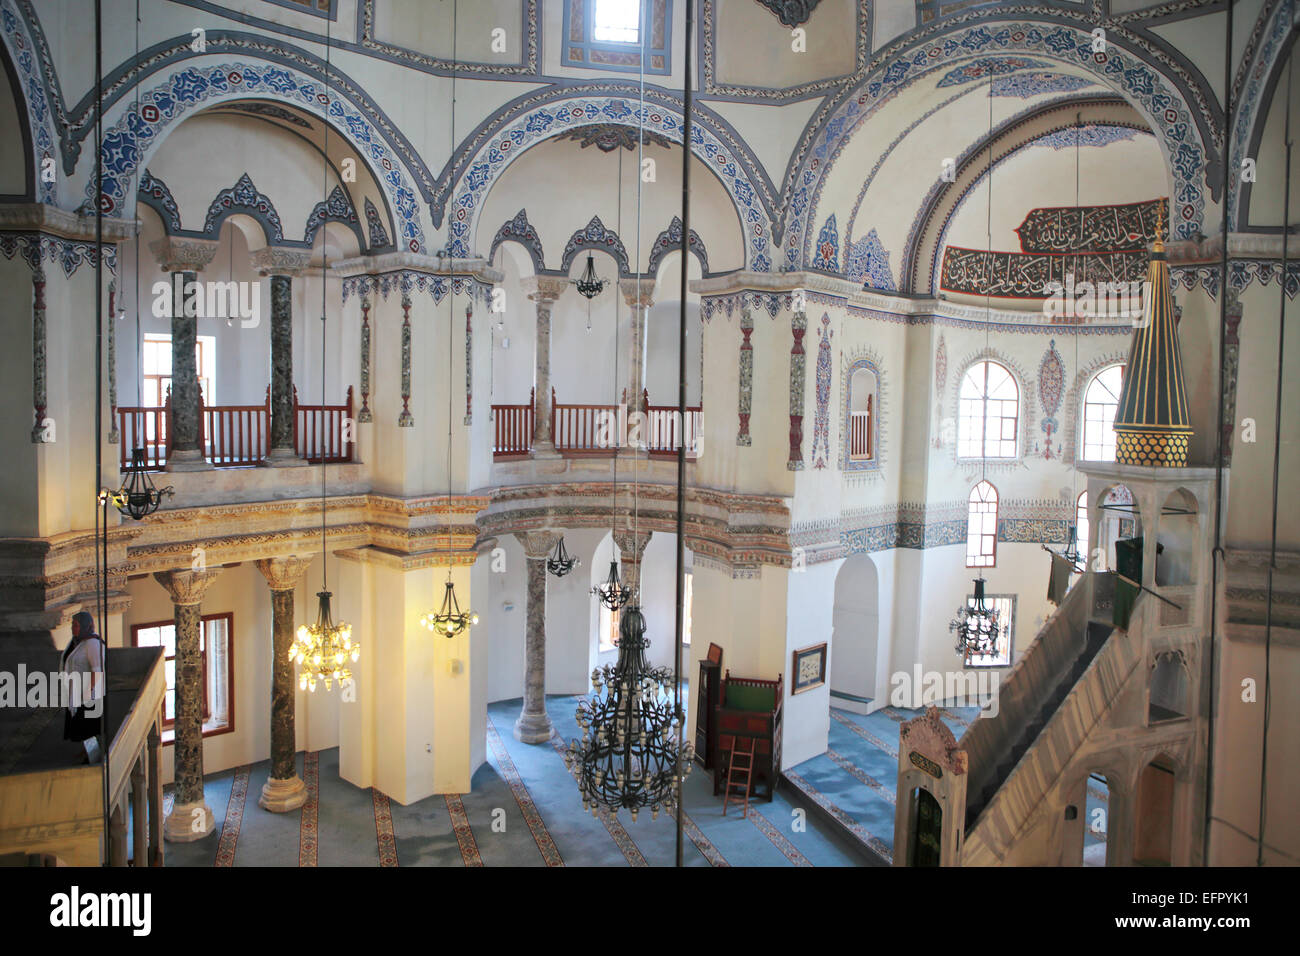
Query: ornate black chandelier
point(977, 626)
point(613, 593)
point(450, 620)
point(628, 757)
point(137, 498)
point(589, 285)
point(559, 563)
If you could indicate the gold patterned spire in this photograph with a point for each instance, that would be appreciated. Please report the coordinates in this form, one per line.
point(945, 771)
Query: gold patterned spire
point(1152, 423)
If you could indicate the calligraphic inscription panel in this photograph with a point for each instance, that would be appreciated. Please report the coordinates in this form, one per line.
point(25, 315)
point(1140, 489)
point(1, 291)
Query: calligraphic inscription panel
point(1091, 228)
point(1026, 275)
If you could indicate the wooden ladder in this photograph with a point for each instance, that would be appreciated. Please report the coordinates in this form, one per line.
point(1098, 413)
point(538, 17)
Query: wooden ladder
point(737, 770)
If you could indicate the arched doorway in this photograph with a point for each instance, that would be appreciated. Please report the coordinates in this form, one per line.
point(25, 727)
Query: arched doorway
point(855, 630)
point(1153, 829)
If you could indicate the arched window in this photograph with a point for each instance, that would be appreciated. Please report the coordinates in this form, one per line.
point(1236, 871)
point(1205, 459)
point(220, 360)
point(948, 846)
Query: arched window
point(862, 388)
point(1100, 401)
point(1081, 524)
point(989, 413)
point(982, 527)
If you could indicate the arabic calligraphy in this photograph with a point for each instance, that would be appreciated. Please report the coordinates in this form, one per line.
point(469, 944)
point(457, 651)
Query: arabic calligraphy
point(1091, 228)
point(1028, 275)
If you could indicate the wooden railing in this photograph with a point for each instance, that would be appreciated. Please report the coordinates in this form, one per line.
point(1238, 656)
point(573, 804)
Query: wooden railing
point(319, 431)
point(860, 434)
point(577, 427)
point(144, 427)
point(598, 429)
point(667, 429)
point(233, 436)
point(514, 429)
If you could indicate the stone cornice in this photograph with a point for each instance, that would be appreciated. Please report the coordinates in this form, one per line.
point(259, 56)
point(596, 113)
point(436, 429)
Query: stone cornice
point(477, 268)
point(277, 260)
point(1209, 251)
point(53, 221)
point(183, 255)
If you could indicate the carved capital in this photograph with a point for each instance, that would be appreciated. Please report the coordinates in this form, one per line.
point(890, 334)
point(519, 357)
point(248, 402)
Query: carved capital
point(183, 255)
point(278, 261)
point(283, 574)
point(186, 587)
point(638, 292)
point(544, 289)
point(538, 544)
point(632, 546)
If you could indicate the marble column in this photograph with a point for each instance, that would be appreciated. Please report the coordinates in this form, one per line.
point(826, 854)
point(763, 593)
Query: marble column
point(631, 549)
point(533, 725)
point(183, 259)
point(281, 266)
point(543, 290)
point(639, 295)
point(156, 854)
point(284, 791)
point(191, 817)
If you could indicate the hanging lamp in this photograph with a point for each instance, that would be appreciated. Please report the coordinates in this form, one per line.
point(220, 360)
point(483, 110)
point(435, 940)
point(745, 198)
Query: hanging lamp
point(450, 621)
point(138, 497)
point(589, 284)
point(323, 650)
point(977, 626)
point(627, 757)
point(613, 593)
point(559, 563)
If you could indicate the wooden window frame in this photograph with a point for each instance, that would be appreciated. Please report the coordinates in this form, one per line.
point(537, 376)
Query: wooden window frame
point(971, 503)
point(229, 617)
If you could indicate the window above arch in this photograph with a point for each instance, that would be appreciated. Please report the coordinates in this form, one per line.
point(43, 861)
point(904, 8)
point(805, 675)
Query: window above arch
point(988, 419)
point(1100, 401)
point(613, 35)
point(862, 398)
point(982, 527)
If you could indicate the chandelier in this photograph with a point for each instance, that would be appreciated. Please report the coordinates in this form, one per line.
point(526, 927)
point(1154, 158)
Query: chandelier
point(628, 757)
point(323, 651)
point(589, 285)
point(613, 593)
point(559, 563)
point(976, 625)
point(137, 498)
point(450, 620)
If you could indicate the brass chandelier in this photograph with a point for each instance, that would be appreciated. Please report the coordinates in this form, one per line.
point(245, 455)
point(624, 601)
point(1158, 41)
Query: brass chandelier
point(323, 650)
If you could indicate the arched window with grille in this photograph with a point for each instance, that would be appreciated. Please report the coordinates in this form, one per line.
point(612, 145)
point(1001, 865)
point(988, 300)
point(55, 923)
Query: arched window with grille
point(862, 398)
point(1100, 400)
point(989, 414)
point(982, 527)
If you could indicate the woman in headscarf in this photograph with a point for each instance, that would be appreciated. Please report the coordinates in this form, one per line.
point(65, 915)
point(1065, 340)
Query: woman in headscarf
point(84, 655)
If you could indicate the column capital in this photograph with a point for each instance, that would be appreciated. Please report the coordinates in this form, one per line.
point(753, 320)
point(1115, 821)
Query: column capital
point(538, 544)
point(638, 292)
point(183, 255)
point(283, 574)
point(279, 261)
point(631, 546)
point(544, 289)
point(186, 587)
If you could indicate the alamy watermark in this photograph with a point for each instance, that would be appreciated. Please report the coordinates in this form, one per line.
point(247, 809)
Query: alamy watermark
point(657, 430)
point(964, 688)
point(209, 300)
point(1087, 300)
point(22, 688)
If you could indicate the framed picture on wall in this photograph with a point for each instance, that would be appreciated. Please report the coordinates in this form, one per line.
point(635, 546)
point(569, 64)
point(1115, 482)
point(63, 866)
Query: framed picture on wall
point(809, 669)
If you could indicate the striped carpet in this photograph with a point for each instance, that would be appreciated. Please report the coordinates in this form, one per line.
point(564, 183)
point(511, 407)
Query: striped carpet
point(523, 809)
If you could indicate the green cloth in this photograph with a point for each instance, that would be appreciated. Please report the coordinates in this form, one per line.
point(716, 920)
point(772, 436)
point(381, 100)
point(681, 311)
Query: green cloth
point(1059, 582)
point(744, 697)
point(1128, 562)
